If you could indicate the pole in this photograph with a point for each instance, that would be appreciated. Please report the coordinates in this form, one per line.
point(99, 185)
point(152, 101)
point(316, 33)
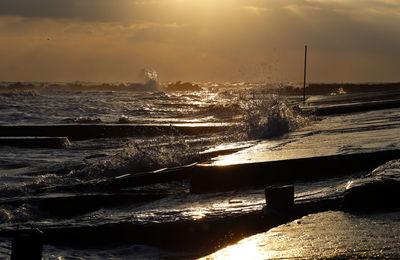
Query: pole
point(305, 73)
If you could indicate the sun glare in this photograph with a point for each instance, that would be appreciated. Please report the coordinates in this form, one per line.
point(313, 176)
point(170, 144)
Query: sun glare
point(248, 249)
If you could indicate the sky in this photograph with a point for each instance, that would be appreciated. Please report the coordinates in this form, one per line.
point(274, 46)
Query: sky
point(200, 40)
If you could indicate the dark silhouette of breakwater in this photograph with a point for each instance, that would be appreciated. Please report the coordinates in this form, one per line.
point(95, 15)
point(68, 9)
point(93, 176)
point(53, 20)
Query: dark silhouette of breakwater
point(212, 232)
point(328, 88)
point(197, 237)
point(91, 131)
point(222, 178)
point(35, 142)
point(350, 108)
point(203, 236)
point(205, 179)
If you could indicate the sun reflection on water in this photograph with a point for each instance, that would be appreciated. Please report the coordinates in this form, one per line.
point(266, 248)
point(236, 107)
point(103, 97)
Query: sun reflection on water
point(246, 249)
point(331, 234)
point(198, 214)
point(227, 160)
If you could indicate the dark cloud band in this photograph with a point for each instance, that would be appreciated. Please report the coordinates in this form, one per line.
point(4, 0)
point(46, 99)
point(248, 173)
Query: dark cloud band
point(89, 10)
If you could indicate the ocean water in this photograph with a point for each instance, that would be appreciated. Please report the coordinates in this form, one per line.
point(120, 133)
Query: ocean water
point(259, 127)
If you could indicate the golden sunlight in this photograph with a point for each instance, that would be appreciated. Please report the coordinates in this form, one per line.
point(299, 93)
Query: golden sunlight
point(245, 249)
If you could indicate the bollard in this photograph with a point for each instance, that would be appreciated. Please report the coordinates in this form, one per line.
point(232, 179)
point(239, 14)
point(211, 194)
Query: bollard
point(28, 246)
point(280, 198)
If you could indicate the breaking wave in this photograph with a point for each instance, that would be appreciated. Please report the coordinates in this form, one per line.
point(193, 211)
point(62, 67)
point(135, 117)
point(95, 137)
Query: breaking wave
point(377, 190)
point(270, 116)
point(156, 153)
point(387, 172)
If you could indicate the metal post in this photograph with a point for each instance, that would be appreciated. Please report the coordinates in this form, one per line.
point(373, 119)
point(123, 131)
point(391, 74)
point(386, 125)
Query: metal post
point(305, 73)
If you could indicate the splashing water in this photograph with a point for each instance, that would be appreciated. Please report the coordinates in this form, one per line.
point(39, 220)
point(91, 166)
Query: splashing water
point(266, 116)
point(270, 116)
point(150, 78)
point(148, 74)
point(252, 117)
point(388, 172)
point(136, 157)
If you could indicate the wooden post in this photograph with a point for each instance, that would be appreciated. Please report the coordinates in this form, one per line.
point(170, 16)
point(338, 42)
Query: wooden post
point(305, 73)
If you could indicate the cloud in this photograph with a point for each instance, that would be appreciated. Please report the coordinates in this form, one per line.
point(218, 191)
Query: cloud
point(98, 10)
point(200, 40)
point(255, 10)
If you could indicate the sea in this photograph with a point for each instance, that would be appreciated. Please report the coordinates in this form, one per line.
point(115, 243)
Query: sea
point(230, 123)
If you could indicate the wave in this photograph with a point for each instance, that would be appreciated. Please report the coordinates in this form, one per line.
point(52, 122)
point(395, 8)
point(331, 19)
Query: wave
point(377, 190)
point(20, 93)
point(124, 120)
point(270, 116)
point(221, 111)
point(389, 171)
point(84, 120)
point(151, 154)
point(259, 117)
point(267, 117)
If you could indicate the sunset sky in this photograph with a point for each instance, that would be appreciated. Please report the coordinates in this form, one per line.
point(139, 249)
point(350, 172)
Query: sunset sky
point(200, 40)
